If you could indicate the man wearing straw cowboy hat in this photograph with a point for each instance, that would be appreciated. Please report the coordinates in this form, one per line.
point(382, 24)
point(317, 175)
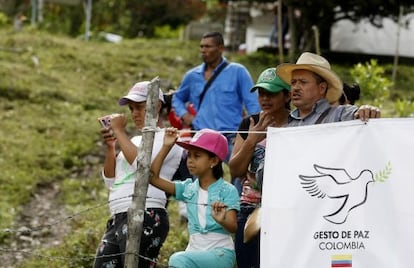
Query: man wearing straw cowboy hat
point(314, 86)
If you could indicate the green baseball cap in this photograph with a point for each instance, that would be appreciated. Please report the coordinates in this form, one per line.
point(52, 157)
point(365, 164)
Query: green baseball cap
point(269, 81)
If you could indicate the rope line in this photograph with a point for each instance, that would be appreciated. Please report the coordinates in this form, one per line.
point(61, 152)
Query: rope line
point(225, 131)
point(81, 258)
point(27, 231)
point(70, 217)
point(181, 131)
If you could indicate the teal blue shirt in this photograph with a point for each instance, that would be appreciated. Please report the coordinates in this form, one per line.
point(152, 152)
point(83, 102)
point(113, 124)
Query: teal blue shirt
point(221, 191)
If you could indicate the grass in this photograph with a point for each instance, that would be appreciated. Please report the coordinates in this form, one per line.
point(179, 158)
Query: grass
point(52, 89)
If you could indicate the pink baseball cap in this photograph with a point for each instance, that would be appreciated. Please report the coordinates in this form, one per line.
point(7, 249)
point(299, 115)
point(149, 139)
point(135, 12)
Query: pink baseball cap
point(209, 140)
point(138, 93)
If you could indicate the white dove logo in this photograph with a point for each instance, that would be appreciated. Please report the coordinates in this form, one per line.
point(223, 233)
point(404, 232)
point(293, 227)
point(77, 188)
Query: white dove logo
point(336, 183)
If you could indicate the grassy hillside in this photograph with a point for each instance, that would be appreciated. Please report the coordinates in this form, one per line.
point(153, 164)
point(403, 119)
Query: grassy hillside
point(52, 89)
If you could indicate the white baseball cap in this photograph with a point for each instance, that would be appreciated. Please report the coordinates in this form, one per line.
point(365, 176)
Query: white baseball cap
point(138, 93)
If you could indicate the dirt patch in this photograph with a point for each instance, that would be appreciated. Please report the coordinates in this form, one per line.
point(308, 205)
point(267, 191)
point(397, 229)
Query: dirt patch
point(38, 226)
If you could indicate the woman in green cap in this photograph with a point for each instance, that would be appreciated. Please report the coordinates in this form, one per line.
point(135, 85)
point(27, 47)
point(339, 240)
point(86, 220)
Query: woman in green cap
point(247, 159)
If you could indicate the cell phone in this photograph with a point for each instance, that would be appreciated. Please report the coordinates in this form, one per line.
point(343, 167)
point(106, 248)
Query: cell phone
point(105, 121)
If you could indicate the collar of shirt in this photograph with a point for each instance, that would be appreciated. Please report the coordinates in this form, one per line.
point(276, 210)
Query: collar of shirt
point(318, 108)
point(204, 65)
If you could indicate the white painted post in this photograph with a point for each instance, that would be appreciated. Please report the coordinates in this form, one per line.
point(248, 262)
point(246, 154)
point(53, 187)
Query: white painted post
point(397, 47)
point(34, 12)
point(88, 13)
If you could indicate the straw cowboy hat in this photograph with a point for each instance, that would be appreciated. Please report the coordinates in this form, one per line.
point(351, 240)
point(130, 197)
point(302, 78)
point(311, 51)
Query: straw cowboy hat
point(317, 64)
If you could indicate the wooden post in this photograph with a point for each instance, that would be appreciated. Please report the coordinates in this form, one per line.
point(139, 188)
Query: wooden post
point(316, 33)
point(280, 36)
point(136, 211)
point(293, 32)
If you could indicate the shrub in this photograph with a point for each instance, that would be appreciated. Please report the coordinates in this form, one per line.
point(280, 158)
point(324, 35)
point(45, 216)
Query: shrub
point(404, 108)
point(374, 86)
point(3, 19)
point(166, 31)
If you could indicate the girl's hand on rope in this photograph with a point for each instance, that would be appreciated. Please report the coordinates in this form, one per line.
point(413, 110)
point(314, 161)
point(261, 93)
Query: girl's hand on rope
point(218, 211)
point(171, 136)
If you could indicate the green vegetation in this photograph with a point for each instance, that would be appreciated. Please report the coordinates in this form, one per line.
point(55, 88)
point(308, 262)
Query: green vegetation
point(371, 79)
point(52, 89)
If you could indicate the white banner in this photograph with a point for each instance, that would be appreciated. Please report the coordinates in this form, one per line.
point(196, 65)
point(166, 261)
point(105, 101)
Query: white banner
point(339, 195)
point(363, 37)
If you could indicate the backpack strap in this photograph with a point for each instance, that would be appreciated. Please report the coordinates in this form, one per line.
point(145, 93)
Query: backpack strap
point(210, 81)
point(323, 115)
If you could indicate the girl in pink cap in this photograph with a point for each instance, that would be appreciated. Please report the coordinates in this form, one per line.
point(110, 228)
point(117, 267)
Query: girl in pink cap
point(212, 203)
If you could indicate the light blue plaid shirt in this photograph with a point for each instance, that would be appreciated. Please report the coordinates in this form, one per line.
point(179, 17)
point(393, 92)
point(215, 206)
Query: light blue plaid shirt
point(336, 114)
